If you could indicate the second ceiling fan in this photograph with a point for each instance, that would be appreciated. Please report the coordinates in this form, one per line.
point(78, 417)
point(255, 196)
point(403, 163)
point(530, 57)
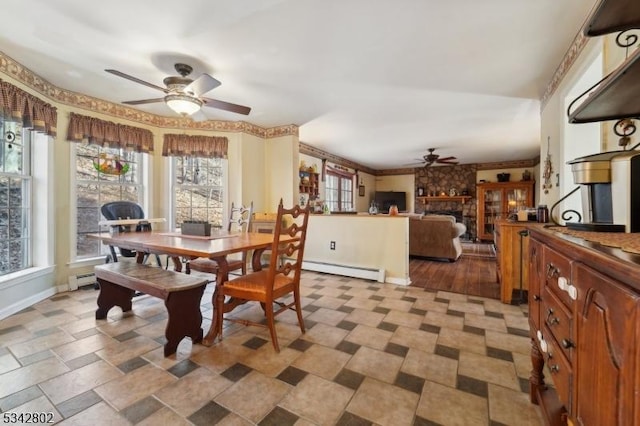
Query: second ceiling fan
point(432, 158)
point(183, 94)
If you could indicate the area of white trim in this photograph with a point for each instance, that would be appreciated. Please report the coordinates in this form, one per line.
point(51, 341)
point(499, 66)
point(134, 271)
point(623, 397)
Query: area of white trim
point(346, 270)
point(29, 301)
point(24, 276)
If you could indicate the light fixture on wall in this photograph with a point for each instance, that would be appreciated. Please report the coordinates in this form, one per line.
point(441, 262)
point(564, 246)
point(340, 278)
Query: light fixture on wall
point(183, 104)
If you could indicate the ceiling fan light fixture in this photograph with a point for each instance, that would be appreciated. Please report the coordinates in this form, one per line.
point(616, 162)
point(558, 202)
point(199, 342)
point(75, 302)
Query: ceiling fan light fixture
point(183, 104)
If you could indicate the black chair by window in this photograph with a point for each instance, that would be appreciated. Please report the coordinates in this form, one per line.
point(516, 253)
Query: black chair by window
point(118, 210)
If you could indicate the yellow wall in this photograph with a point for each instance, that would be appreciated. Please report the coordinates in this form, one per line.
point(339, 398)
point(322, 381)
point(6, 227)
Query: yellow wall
point(399, 183)
point(361, 241)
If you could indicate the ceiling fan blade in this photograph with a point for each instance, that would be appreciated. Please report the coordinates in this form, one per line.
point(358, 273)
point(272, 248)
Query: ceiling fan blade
point(202, 85)
point(144, 101)
point(446, 158)
point(447, 162)
point(227, 106)
point(137, 80)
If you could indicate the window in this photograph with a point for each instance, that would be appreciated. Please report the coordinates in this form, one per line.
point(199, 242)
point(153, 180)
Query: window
point(339, 191)
point(15, 197)
point(198, 189)
point(102, 175)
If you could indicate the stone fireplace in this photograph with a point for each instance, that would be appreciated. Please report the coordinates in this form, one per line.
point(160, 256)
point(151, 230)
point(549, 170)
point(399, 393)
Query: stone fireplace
point(442, 180)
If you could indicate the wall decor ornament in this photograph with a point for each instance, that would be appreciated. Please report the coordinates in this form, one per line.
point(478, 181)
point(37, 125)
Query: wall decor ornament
point(110, 164)
point(548, 169)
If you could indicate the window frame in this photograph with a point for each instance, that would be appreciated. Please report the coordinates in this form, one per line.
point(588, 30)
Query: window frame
point(140, 185)
point(41, 222)
point(174, 187)
point(341, 177)
point(25, 179)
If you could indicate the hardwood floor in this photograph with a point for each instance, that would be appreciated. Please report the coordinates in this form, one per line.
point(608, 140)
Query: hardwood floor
point(474, 276)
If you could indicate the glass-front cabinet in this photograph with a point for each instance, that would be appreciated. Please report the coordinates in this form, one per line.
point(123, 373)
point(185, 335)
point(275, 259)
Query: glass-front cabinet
point(497, 200)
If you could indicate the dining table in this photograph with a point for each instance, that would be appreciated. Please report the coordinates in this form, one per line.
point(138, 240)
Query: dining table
point(179, 247)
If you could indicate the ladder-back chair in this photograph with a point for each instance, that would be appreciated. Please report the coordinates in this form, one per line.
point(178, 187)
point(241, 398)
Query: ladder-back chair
point(239, 220)
point(280, 279)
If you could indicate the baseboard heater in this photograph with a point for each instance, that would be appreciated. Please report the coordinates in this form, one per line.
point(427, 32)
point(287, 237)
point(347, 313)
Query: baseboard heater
point(346, 270)
point(81, 280)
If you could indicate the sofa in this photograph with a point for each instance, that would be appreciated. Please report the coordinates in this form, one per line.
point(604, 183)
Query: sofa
point(436, 236)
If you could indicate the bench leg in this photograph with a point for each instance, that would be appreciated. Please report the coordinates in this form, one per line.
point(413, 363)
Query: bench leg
point(185, 318)
point(112, 295)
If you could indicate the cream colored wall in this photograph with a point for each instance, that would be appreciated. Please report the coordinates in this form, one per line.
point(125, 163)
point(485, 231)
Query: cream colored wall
point(282, 161)
point(249, 160)
point(553, 119)
point(369, 182)
point(361, 241)
point(398, 183)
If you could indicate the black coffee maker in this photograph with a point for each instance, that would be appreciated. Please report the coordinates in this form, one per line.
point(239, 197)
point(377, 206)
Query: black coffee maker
point(610, 191)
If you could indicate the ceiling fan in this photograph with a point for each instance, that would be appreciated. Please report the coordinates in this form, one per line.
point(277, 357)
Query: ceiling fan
point(183, 94)
point(432, 158)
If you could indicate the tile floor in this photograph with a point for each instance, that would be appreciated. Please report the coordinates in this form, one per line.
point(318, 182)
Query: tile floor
point(372, 354)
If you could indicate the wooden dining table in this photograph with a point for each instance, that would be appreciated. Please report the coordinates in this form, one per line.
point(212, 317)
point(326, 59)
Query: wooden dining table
point(177, 246)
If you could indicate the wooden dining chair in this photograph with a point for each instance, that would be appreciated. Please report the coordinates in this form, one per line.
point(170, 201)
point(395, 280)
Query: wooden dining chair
point(280, 279)
point(239, 220)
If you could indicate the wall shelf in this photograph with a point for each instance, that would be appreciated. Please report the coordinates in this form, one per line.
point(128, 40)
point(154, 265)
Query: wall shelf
point(613, 16)
point(445, 198)
point(615, 97)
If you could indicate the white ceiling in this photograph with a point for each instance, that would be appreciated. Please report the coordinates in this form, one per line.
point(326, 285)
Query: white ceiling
point(373, 81)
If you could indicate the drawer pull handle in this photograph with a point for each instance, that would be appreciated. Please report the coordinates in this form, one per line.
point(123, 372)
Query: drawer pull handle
point(552, 271)
point(565, 285)
point(555, 368)
point(567, 344)
point(536, 298)
point(551, 320)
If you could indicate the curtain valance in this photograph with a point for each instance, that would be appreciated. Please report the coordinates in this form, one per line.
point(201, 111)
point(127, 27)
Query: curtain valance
point(32, 112)
point(195, 146)
point(108, 134)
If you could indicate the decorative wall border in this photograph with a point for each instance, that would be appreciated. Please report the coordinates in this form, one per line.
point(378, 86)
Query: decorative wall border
point(21, 73)
point(318, 153)
point(579, 42)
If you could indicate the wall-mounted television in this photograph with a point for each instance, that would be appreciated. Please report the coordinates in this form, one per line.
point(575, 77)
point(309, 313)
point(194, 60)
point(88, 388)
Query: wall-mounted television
point(385, 199)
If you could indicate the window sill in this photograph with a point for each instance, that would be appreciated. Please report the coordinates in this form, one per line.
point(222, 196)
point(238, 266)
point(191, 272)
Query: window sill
point(21, 277)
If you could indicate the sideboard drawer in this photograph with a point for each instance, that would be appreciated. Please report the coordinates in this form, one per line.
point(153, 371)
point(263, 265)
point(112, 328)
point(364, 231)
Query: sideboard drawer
point(557, 276)
point(559, 369)
point(559, 321)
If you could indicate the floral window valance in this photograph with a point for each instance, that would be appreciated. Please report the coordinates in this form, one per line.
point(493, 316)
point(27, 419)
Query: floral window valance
point(195, 146)
point(32, 112)
point(108, 134)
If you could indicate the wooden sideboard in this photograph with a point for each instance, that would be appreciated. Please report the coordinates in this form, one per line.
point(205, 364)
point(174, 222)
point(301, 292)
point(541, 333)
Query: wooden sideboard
point(584, 316)
point(512, 269)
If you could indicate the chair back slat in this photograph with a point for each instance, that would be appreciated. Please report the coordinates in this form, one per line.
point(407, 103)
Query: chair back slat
point(240, 218)
point(287, 257)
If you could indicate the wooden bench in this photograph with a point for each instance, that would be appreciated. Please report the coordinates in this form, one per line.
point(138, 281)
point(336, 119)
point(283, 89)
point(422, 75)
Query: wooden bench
point(181, 294)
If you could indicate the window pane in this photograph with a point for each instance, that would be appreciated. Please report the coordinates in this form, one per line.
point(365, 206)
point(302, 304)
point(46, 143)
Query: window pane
point(198, 190)
point(98, 183)
point(15, 198)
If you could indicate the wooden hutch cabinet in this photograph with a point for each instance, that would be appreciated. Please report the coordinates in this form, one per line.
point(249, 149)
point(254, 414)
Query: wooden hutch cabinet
point(496, 200)
point(584, 310)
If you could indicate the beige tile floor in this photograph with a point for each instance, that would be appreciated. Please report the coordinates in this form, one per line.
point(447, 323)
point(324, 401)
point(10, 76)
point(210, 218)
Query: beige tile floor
point(372, 354)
